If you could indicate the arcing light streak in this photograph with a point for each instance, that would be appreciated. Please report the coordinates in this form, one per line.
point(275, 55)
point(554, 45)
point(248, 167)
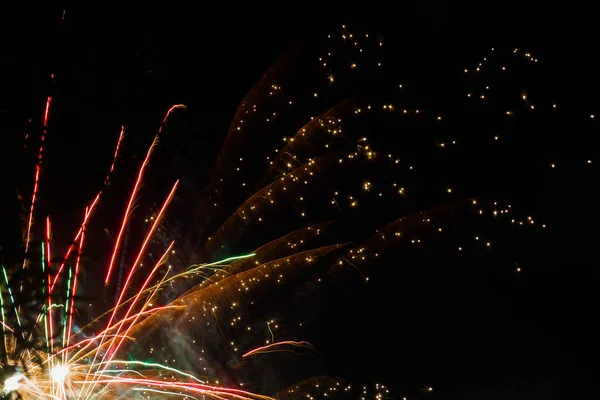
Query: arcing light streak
point(112, 353)
point(114, 161)
point(275, 347)
point(173, 108)
point(128, 209)
point(134, 191)
point(197, 267)
point(143, 248)
point(220, 262)
point(80, 353)
point(77, 236)
point(160, 261)
point(136, 262)
point(161, 366)
point(56, 373)
point(150, 233)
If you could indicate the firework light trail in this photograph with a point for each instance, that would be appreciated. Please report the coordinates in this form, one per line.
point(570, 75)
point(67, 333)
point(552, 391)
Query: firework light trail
point(59, 371)
point(36, 178)
point(121, 353)
point(278, 346)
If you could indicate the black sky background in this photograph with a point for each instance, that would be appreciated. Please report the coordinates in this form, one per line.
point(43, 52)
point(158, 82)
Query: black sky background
point(529, 336)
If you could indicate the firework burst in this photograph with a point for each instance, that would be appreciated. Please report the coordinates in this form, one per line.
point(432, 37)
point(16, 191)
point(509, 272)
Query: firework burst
point(47, 358)
point(195, 282)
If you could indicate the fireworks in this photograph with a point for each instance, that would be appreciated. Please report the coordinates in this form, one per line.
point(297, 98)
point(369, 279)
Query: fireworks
point(328, 200)
point(51, 360)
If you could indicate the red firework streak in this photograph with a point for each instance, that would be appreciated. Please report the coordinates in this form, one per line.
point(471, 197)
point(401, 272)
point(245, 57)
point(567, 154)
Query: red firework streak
point(36, 178)
point(91, 208)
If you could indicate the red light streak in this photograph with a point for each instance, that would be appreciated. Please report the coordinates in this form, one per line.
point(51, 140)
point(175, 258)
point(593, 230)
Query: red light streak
point(77, 236)
point(37, 177)
point(128, 209)
point(139, 256)
point(112, 165)
point(273, 347)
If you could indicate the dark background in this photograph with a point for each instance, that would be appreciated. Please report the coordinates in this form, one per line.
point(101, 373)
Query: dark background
point(495, 335)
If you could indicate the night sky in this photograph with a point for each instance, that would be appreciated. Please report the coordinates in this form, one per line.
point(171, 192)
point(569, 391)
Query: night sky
point(469, 327)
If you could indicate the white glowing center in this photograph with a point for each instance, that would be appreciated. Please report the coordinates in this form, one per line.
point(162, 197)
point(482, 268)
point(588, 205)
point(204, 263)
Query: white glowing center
point(59, 373)
point(12, 383)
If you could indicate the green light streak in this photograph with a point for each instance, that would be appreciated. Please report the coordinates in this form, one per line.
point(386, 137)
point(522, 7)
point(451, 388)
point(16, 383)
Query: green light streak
point(67, 306)
point(147, 364)
point(43, 259)
point(2, 309)
point(3, 322)
point(197, 267)
point(11, 295)
point(120, 370)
